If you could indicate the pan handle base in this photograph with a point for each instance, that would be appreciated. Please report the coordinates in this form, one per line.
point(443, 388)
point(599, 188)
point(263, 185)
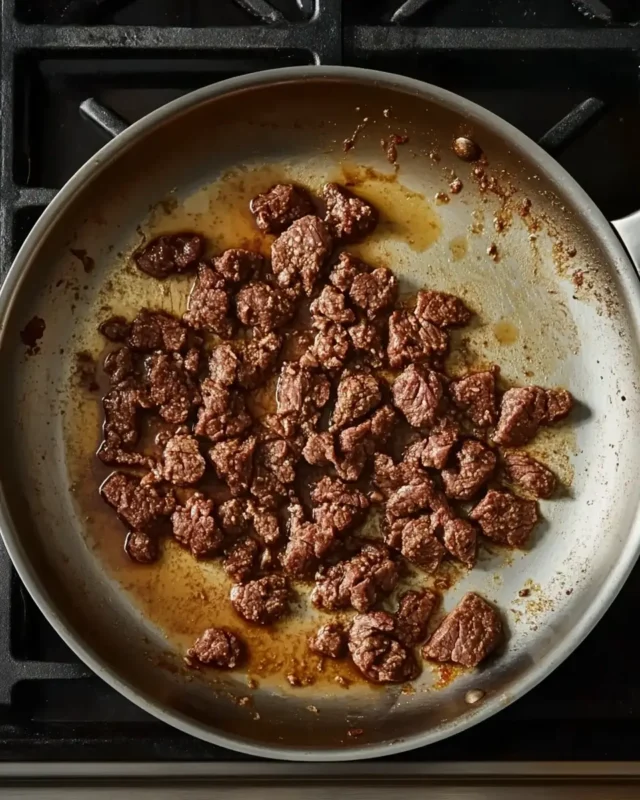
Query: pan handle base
point(628, 229)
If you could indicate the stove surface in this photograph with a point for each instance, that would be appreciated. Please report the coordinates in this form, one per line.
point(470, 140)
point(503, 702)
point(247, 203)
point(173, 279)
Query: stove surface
point(532, 61)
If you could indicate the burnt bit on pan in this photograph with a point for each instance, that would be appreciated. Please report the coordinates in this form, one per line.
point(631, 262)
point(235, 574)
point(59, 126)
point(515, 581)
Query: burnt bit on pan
point(466, 149)
point(87, 262)
point(390, 146)
point(31, 334)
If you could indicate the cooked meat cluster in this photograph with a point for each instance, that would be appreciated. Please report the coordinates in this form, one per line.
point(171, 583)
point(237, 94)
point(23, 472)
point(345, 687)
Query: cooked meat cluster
point(365, 415)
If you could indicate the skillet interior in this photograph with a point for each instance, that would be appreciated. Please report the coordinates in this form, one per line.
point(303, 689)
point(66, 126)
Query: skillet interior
point(581, 336)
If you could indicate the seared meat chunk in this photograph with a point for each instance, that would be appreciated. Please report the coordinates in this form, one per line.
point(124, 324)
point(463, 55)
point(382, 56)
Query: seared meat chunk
point(320, 450)
point(298, 254)
point(524, 409)
point(263, 306)
point(208, 304)
point(415, 539)
point(156, 330)
point(195, 528)
point(419, 495)
point(379, 656)
point(389, 477)
point(348, 217)
point(330, 347)
point(258, 359)
point(280, 457)
point(223, 412)
point(337, 504)
point(412, 616)
point(216, 647)
point(329, 640)
point(374, 291)
point(359, 582)
point(223, 365)
point(118, 364)
point(467, 635)
point(309, 542)
point(505, 518)
point(331, 304)
point(357, 394)
point(460, 539)
point(262, 601)
point(476, 464)
point(275, 209)
point(301, 394)
point(115, 329)
point(529, 474)
point(121, 405)
point(182, 462)
point(241, 560)
point(346, 269)
point(235, 516)
point(237, 265)
point(166, 255)
point(475, 394)
point(438, 445)
point(141, 547)
point(233, 461)
point(418, 393)
point(441, 309)
point(139, 505)
point(171, 388)
point(367, 342)
point(412, 341)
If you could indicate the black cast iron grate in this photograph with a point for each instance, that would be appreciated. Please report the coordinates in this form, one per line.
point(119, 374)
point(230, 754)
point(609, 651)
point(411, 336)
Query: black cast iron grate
point(565, 71)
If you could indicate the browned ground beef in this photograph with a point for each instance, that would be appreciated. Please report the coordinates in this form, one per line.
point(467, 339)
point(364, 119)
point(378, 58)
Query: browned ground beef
point(141, 547)
point(418, 393)
point(441, 309)
point(331, 304)
point(348, 217)
point(195, 528)
point(156, 330)
point(138, 505)
point(329, 641)
point(439, 444)
point(241, 560)
point(524, 409)
point(505, 518)
point(529, 474)
point(216, 647)
point(233, 462)
point(171, 388)
point(263, 306)
point(330, 347)
point(224, 365)
point(366, 339)
point(115, 329)
point(301, 394)
point(412, 341)
point(223, 412)
point(298, 254)
point(237, 265)
point(416, 540)
point(460, 539)
point(467, 635)
point(119, 365)
point(277, 208)
point(412, 616)
point(259, 356)
point(345, 271)
point(476, 395)
point(357, 394)
point(167, 255)
point(475, 465)
point(208, 306)
point(374, 291)
point(262, 601)
point(183, 464)
point(379, 656)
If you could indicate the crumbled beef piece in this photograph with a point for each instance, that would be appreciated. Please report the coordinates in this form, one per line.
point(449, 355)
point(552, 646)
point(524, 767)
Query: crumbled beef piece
point(441, 309)
point(358, 442)
point(299, 253)
point(277, 208)
point(309, 542)
point(344, 272)
point(329, 640)
point(416, 496)
point(476, 464)
point(475, 394)
point(166, 255)
point(115, 329)
point(418, 393)
point(559, 404)
point(267, 489)
point(380, 657)
point(195, 528)
point(412, 616)
point(413, 341)
point(182, 462)
point(438, 445)
point(192, 360)
point(505, 518)
point(524, 409)
point(121, 405)
point(141, 547)
point(262, 601)
point(263, 306)
point(208, 304)
point(374, 291)
point(348, 217)
point(301, 393)
point(223, 412)
point(223, 365)
point(233, 462)
point(415, 539)
point(156, 330)
point(237, 265)
point(357, 394)
point(330, 347)
point(331, 303)
point(258, 359)
point(367, 341)
point(118, 364)
point(137, 504)
point(529, 474)
point(235, 516)
point(337, 504)
point(460, 539)
point(382, 422)
point(389, 477)
point(265, 525)
point(320, 450)
point(467, 635)
point(216, 647)
point(359, 582)
point(114, 454)
point(280, 457)
point(170, 387)
point(241, 561)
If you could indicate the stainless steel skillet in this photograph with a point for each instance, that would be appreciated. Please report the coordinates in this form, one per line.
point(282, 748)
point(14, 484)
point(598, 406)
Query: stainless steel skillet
point(559, 304)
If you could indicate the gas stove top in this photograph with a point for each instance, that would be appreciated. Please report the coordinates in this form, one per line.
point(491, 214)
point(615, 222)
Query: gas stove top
point(564, 72)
